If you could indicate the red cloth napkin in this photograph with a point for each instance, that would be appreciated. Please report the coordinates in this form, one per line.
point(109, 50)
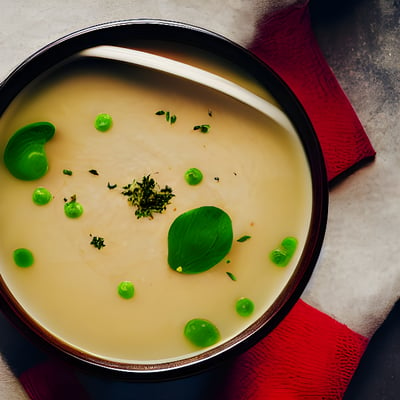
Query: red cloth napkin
point(309, 355)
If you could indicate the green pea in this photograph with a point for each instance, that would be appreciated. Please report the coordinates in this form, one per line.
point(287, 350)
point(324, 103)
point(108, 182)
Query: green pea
point(23, 257)
point(41, 196)
point(244, 307)
point(103, 122)
point(193, 176)
point(201, 332)
point(126, 289)
point(73, 209)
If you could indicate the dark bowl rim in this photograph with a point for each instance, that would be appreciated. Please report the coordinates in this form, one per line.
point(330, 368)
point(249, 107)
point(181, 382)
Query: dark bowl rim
point(171, 31)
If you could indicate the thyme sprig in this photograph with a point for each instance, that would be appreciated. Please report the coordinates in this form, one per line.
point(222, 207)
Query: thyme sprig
point(147, 197)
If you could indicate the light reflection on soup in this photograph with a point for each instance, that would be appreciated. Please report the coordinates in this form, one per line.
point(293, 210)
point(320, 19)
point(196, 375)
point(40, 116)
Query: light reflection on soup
point(253, 170)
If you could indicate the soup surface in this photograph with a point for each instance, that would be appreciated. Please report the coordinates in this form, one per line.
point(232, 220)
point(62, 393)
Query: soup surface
point(252, 169)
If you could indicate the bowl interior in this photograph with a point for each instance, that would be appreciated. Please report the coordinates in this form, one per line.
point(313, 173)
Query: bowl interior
point(271, 184)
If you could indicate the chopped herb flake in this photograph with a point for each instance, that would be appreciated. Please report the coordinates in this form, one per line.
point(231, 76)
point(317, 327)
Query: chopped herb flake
point(147, 197)
point(243, 238)
point(233, 277)
point(171, 118)
point(97, 242)
point(205, 128)
point(67, 172)
point(111, 186)
point(93, 172)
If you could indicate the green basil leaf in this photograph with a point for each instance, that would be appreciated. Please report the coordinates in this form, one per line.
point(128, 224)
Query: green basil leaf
point(199, 239)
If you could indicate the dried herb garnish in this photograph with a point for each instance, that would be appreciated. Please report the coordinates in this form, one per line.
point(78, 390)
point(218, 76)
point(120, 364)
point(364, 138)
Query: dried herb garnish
point(111, 186)
point(233, 277)
point(171, 118)
point(243, 238)
point(72, 199)
point(204, 128)
point(97, 242)
point(93, 172)
point(147, 197)
point(67, 172)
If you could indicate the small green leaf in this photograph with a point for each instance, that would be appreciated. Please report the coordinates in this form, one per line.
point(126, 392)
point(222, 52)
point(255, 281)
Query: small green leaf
point(233, 277)
point(243, 238)
point(204, 128)
point(199, 239)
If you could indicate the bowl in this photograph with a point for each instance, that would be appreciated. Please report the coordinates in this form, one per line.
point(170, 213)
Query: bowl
point(239, 201)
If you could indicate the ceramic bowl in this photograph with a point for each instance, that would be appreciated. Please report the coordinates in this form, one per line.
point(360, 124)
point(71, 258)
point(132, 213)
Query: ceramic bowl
point(174, 39)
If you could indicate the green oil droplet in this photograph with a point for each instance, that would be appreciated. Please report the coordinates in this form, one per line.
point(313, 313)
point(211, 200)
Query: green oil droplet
point(244, 307)
point(25, 155)
point(126, 289)
point(193, 176)
point(201, 332)
point(103, 122)
point(41, 196)
point(23, 257)
point(73, 209)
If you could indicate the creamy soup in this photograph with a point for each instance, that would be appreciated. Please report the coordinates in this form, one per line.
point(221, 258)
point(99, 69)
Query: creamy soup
point(252, 169)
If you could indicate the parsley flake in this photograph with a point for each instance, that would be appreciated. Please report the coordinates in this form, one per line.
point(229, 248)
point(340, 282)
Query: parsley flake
point(233, 277)
point(204, 128)
point(97, 242)
point(243, 238)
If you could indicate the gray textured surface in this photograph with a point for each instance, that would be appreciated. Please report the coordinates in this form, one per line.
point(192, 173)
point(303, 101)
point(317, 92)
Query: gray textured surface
point(361, 41)
point(359, 267)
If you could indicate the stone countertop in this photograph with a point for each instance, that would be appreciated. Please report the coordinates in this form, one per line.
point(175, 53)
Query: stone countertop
point(360, 40)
